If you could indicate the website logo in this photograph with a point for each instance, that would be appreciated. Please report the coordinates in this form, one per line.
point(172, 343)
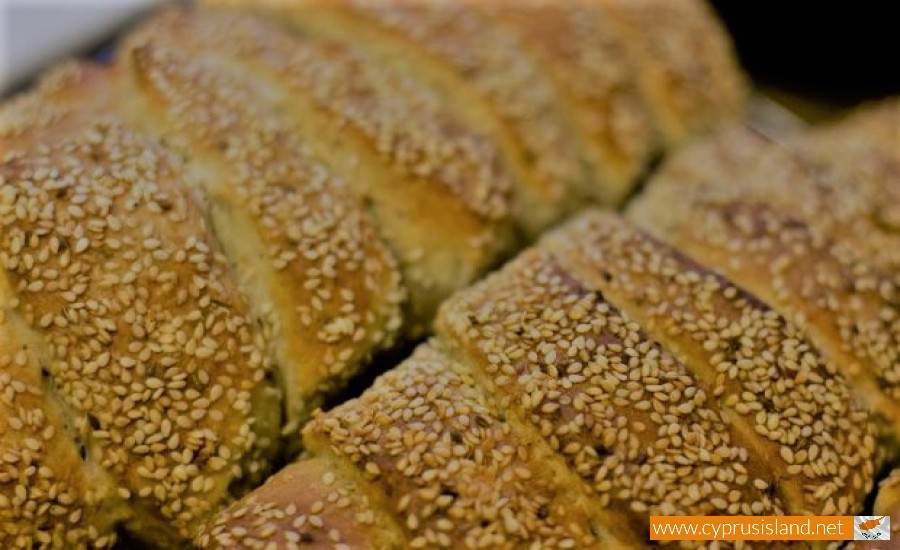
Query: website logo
point(871, 528)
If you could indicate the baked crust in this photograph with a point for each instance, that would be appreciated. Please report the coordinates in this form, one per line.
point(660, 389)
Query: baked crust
point(319, 276)
point(577, 45)
point(479, 71)
point(145, 341)
point(333, 514)
point(802, 231)
point(629, 418)
point(453, 467)
point(416, 178)
point(600, 378)
point(684, 64)
point(794, 411)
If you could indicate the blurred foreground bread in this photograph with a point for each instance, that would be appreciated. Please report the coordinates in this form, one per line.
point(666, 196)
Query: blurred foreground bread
point(203, 240)
point(599, 378)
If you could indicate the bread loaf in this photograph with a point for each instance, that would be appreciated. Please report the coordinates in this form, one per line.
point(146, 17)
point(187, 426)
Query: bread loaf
point(209, 236)
point(684, 61)
point(599, 378)
point(605, 375)
point(805, 226)
point(135, 382)
point(417, 168)
point(535, 74)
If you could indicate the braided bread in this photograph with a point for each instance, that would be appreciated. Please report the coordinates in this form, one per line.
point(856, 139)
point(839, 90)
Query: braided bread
point(206, 238)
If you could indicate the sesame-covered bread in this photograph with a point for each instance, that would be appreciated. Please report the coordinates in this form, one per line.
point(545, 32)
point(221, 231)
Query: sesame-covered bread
point(320, 278)
point(204, 240)
point(599, 378)
point(841, 180)
point(417, 168)
point(800, 225)
point(480, 71)
point(134, 375)
point(581, 49)
point(684, 64)
point(335, 513)
point(562, 87)
point(454, 466)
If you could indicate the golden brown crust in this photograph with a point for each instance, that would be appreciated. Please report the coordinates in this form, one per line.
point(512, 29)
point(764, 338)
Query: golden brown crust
point(491, 61)
point(542, 398)
point(684, 63)
point(480, 72)
point(849, 310)
point(324, 285)
point(861, 159)
point(453, 467)
point(841, 181)
point(577, 45)
point(800, 231)
point(27, 119)
point(148, 344)
point(629, 418)
point(330, 514)
point(417, 178)
point(772, 384)
point(698, 170)
point(49, 496)
point(409, 147)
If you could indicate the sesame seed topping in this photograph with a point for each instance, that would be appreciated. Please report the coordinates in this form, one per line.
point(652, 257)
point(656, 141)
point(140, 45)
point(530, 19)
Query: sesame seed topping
point(293, 206)
point(114, 327)
point(627, 416)
point(757, 363)
point(476, 483)
point(273, 516)
point(797, 224)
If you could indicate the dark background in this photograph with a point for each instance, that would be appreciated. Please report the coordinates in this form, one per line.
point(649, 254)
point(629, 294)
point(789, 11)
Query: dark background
point(817, 57)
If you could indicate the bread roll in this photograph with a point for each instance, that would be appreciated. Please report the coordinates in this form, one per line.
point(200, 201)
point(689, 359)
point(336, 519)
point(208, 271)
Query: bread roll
point(120, 318)
point(334, 514)
point(600, 378)
point(753, 365)
point(454, 467)
point(840, 180)
point(321, 280)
